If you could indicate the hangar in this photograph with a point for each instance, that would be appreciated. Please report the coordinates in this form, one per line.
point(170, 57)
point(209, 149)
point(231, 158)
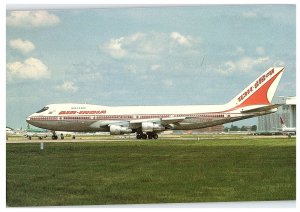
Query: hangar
point(271, 122)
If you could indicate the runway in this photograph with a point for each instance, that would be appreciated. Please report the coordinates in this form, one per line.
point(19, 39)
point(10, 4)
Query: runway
point(95, 138)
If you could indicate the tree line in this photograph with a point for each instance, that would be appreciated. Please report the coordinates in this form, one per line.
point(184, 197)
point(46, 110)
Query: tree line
point(243, 128)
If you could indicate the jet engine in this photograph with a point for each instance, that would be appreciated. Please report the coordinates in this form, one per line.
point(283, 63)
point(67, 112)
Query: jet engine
point(118, 130)
point(150, 127)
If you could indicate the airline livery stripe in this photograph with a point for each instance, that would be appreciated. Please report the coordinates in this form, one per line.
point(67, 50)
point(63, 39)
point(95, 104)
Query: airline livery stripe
point(123, 117)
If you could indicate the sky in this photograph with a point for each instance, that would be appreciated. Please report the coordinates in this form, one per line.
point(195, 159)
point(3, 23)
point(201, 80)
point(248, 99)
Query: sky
point(184, 55)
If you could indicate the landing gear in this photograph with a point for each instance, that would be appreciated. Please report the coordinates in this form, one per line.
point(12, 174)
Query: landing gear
point(141, 136)
point(149, 135)
point(62, 136)
point(152, 135)
point(54, 136)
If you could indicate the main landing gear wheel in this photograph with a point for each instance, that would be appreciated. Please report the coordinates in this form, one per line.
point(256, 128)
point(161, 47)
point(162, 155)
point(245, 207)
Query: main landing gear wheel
point(152, 135)
point(149, 135)
point(54, 136)
point(141, 136)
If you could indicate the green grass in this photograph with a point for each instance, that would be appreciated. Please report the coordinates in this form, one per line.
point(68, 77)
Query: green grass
point(162, 171)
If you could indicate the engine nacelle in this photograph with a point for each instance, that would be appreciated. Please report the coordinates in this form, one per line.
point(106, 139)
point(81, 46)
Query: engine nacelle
point(118, 130)
point(150, 127)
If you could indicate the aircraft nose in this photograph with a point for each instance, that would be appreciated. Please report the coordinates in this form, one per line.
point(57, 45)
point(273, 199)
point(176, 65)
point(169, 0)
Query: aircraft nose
point(28, 119)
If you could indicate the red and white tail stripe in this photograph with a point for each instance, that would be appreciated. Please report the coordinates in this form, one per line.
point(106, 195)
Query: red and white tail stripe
point(259, 92)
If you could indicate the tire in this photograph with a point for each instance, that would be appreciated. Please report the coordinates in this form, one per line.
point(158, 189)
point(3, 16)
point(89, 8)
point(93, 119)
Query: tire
point(138, 136)
point(155, 136)
point(144, 136)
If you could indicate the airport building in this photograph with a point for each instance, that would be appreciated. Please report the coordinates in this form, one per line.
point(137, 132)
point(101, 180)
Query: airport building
point(271, 122)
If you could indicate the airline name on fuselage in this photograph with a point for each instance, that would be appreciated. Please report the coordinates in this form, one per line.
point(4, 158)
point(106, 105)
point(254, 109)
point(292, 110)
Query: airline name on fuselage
point(83, 112)
point(78, 108)
point(256, 84)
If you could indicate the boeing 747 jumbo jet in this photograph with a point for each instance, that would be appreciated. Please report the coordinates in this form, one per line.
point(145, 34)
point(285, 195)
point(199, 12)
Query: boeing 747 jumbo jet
point(147, 121)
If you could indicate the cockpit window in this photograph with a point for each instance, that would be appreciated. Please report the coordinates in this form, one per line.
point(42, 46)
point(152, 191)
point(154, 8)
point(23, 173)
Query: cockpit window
point(43, 109)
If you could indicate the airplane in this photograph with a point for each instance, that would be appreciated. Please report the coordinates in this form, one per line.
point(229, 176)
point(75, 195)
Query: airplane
point(34, 132)
point(148, 121)
point(9, 131)
point(286, 130)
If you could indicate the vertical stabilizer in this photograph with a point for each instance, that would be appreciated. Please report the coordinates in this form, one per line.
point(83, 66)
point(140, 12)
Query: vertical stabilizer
point(259, 92)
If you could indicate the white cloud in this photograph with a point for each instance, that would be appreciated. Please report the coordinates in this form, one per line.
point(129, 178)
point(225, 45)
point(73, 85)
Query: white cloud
point(182, 40)
point(136, 37)
point(282, 16)
point(244, 64)
point(227, 68)
point(31, 68)
point(27, 19)
point(67, 86)
point(139, 45)
point(24, 46)
point(114, 48)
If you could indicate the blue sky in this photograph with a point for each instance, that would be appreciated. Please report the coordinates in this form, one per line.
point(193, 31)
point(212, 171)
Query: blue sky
point(144, 55)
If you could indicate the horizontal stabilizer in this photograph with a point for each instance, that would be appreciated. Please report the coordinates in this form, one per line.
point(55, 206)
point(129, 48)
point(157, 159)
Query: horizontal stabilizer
point(262, 109)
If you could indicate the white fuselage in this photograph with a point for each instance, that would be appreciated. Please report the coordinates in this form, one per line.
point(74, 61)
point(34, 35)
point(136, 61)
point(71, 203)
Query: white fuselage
point(85, 117)
point(288, 130)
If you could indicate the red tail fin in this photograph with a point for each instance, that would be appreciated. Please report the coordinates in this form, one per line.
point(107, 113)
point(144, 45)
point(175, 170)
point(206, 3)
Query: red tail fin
point(260, 91)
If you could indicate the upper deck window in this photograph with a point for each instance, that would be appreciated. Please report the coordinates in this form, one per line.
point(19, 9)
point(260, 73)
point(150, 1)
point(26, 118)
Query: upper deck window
point(43, 109)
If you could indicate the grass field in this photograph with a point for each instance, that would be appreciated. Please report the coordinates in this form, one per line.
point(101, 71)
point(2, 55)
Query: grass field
point(161, 171)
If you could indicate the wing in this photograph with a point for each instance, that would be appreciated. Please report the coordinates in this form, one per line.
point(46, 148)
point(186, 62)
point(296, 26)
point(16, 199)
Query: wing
point(164, 122)
point(167, 123)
